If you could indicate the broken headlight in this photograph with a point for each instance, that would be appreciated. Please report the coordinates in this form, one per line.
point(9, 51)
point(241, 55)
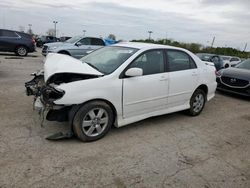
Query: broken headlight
point(50, 94)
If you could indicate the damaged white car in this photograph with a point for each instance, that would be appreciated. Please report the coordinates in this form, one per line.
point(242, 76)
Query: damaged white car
point(119, 85)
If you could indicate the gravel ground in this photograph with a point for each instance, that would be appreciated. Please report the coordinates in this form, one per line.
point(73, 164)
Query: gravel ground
point(175, 150)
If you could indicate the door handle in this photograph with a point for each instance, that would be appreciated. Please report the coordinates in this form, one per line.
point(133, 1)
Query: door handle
point(163, 78)
point(194, 73)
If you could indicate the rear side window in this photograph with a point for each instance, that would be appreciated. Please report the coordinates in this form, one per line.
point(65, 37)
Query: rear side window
point(5, 33)
point(178, 60)
point(97, 42)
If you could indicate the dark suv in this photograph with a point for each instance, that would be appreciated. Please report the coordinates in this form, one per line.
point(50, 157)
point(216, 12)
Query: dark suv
point(18, 42)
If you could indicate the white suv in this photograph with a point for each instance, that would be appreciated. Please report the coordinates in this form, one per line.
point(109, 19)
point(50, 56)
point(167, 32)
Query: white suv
point(121, 84)
point(230, 61)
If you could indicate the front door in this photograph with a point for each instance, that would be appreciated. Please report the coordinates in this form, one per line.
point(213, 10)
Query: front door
point(147, 93)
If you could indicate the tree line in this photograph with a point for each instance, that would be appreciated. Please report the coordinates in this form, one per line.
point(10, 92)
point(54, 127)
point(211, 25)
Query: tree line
point(199, 48)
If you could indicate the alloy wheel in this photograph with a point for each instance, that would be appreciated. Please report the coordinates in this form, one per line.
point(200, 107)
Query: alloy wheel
point(95, 122)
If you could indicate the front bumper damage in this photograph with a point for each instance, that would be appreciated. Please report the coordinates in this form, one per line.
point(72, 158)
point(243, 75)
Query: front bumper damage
point(44, 95)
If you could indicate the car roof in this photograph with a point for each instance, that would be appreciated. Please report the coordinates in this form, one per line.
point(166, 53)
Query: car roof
point(141, 45)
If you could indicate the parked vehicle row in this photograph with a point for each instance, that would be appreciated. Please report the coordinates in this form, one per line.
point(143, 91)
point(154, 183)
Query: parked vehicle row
point(40, 41)
point(18, 42)
point(220, 61)
point(121, 84)
point(231, 61)
point(76, 46)
point(235, 79)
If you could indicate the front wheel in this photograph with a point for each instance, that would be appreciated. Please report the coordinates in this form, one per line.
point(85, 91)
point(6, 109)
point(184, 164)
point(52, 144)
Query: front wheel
point(197, 102)
point(93, 121)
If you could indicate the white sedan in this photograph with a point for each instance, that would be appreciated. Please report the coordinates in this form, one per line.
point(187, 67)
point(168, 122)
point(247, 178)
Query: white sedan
point(121, 84)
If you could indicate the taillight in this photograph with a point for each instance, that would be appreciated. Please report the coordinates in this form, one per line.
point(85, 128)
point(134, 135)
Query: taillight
point(33, 40)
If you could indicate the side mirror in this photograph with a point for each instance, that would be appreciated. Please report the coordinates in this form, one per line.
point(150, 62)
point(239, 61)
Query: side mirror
point(78, 44)
point(132, 72)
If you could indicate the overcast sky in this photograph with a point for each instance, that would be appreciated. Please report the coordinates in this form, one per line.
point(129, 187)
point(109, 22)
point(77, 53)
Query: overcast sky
point(181, 20)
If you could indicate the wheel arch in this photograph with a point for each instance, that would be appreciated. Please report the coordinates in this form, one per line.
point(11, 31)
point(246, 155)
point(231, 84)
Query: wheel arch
point(64, 52)
point(75, 108)
point(19, 45)
point(204, 88)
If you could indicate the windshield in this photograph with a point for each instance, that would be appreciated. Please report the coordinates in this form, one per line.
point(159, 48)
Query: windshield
point(108, 59)
point(73, 39)
point(244, 64)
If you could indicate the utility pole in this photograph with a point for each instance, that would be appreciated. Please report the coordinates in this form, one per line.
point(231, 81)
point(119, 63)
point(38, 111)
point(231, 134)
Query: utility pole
point(55, 22)
point(30, 31)
point(30, 25)
point(212, 42)
point(245, 47)
point(149, 32)
point(84, 31)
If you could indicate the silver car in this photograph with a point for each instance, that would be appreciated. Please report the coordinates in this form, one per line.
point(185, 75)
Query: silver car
point(76, 46)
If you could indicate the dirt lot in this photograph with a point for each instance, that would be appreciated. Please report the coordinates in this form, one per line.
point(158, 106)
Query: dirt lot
point(211, 150)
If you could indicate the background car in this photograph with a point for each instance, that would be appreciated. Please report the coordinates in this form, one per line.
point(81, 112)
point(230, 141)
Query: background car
point(76, 46)
point(219, 63)
point(121, 84)
point(235, 79)
point(64, 38)
point(18, 42)
point(231, 61)
point(46, 39)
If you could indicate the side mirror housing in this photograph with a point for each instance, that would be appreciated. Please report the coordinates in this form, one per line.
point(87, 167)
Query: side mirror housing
point(132, 72)
point(78, 44)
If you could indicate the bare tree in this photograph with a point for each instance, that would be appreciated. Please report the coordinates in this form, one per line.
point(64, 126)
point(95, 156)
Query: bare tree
point(112, 36)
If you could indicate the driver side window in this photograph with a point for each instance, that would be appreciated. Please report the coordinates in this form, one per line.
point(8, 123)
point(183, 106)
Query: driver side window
point(151, 62)
point(85, 41)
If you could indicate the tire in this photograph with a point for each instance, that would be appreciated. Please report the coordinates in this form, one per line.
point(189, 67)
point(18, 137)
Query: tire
point(21, 51)
point(197, 102)
point(93, 121)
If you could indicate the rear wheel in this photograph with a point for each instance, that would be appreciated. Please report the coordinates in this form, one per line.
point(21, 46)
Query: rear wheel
point(21, 51)
point(197, 102)
point(93, 121)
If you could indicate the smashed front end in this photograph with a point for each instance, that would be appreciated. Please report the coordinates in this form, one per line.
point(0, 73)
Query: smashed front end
point(58, 70)
point(45, 93)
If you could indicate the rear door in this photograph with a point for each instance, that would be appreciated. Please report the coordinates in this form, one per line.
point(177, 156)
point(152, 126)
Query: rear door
point(8, 40)
point(183, 77)
point(96, 43)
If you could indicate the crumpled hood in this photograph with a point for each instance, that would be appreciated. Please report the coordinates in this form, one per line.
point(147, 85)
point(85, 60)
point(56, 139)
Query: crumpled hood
point(59, 63)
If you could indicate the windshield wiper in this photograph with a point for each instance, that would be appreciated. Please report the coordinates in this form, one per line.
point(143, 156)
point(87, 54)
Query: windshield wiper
point(93, 66)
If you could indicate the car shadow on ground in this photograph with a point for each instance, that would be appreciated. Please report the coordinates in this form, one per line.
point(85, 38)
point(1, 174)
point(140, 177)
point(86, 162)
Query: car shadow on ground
point(14, 56)
point(232, 95)
point(137, 126)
